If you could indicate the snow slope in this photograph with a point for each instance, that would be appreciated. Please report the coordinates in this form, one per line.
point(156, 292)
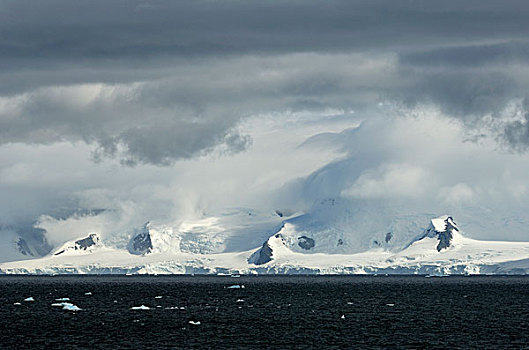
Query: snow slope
point(423, 255)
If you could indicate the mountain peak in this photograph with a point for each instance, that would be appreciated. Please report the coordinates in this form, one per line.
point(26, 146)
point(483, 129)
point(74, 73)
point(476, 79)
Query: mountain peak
point(85, 244)
point(443, 228)
point(141, 242)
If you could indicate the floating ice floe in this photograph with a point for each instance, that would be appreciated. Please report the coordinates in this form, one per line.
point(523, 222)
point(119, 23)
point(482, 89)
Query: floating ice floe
point(235, 286)
point(29, 299)
point(390, 304)
point(141, 307)
point(343, 317)
point(350, 303)
point(240, 300)
point(70, 307)
point(67, 306)
point(63, 299)
point(88, 293)
point(196, 323)
point(17, 304)
point(158, 297)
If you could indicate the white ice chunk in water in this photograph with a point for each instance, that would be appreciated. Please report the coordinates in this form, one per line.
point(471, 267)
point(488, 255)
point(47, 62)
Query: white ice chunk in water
point(17, 304)
point(235, 286)
point(67, 306)
point(343, 317)
point(88, 293)
point(390, 304)
point(70, 307)
point(141, 307)
point(29, 299)
point(196, 323)
point(240, 300)
point(63, 299)
point(158, 297)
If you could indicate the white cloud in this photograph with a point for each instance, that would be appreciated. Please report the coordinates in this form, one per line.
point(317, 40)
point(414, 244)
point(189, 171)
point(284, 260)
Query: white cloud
point(460, 193)
point(393, 180)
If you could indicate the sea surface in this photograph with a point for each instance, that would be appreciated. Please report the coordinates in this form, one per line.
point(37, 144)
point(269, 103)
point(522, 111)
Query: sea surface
point(270, 312)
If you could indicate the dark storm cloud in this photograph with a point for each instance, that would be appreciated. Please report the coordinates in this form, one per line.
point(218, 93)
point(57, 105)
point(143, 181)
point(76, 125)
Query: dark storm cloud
point(467, 80)
point(62, 30)
point(179, 76)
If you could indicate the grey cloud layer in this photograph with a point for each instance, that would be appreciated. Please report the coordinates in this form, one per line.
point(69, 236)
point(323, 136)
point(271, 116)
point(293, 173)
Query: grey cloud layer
point(62, 30)
point(178, 76)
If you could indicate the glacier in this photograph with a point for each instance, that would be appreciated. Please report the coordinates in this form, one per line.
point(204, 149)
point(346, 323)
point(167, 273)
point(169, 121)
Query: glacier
point(299, 244)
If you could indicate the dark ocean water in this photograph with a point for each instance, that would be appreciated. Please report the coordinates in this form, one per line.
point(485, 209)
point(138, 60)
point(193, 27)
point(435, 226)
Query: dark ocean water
point(271, 312)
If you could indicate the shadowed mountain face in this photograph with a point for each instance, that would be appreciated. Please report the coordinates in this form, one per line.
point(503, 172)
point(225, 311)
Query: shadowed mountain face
point(262, 256)
point(141, 242)
point(83, 244)
point(23, 247)
point(443, 228)
point(87, 242)
point(32, 241)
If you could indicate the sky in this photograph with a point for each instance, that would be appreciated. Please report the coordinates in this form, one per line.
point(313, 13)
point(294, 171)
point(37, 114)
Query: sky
point(113, 113)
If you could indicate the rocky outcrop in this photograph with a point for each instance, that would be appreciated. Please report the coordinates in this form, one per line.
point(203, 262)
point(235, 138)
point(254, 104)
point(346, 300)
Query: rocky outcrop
point(443, 228)
point(306, 242)
point(141, 242)
point(87, 242)
point(23, 247)
point(262, 256)
point(266, 253)
point(83, 244)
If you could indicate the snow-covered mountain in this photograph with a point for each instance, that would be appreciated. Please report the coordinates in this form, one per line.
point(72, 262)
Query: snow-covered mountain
point(291, 245)
point(85, 245)
point(442, 229)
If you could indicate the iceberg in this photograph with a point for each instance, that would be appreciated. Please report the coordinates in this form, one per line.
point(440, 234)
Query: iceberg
point(141, 307)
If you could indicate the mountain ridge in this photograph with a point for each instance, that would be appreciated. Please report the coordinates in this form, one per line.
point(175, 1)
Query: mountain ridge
point(441, 248)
